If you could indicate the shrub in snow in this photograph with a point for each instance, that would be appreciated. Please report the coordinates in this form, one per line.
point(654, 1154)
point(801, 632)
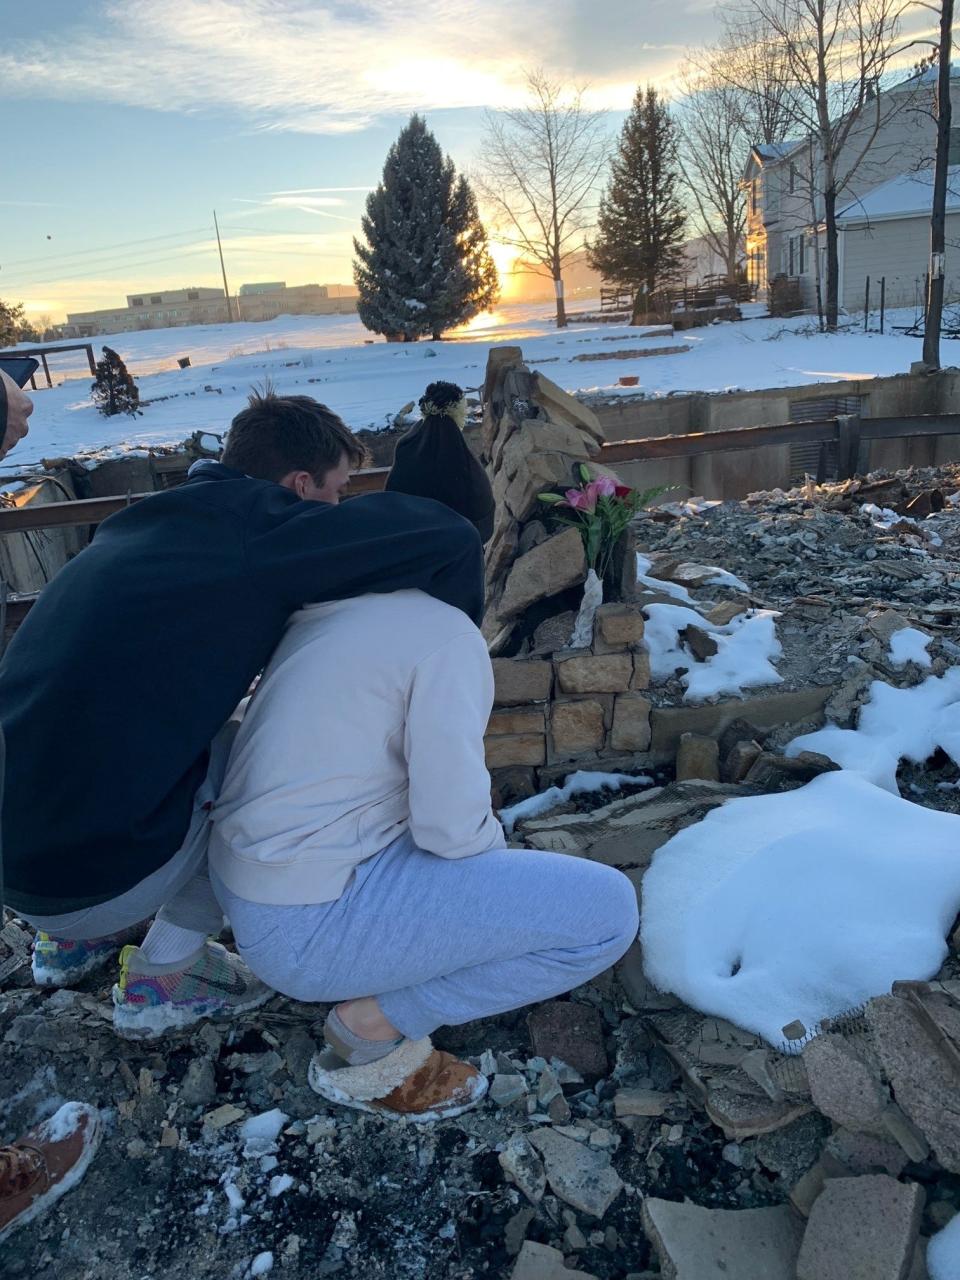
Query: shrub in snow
point(114, 390)
point(425, 265)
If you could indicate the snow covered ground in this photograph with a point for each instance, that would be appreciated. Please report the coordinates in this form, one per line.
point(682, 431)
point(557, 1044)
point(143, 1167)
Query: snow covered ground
point(367, 380)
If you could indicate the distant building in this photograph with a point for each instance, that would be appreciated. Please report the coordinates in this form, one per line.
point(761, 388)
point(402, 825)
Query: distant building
point(173, 308)
point(881, 213)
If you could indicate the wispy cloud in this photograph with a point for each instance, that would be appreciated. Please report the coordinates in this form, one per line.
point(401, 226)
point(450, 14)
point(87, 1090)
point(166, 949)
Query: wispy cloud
point(328, 67)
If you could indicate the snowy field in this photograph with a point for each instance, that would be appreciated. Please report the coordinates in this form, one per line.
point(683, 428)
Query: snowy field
point(367, 380)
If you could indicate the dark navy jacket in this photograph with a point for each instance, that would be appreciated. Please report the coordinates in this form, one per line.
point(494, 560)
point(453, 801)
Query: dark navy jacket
point(140, 648)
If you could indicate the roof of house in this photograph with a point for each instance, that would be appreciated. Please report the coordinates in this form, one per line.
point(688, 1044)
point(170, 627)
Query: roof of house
point(908, 195)
point(777, 150)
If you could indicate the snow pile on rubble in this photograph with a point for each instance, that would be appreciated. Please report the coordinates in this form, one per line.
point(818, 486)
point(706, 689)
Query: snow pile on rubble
point(801, 905)
point(747, 647)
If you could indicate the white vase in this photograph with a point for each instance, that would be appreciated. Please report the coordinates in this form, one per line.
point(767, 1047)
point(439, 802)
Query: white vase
point(582, 636)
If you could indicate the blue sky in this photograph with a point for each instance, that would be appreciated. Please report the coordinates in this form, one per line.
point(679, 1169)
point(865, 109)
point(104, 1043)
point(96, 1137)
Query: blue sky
point(141, 116)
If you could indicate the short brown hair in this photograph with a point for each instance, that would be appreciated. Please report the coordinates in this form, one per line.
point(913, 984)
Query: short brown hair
point(275, 435)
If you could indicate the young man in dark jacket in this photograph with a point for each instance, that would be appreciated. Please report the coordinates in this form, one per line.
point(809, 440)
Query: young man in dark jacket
point(136, 655)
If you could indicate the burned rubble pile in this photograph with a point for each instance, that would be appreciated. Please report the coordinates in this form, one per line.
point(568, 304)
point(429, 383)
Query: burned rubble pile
point(626, 1136)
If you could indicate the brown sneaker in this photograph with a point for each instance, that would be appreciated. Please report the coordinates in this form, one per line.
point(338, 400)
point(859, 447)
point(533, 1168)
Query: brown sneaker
point(45, 1163)
point(414, 1080)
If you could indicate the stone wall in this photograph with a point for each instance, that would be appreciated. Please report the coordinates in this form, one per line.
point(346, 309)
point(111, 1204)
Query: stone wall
point(571, 708)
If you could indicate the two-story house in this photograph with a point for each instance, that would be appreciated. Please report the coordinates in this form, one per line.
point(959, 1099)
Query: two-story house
point(895, 137)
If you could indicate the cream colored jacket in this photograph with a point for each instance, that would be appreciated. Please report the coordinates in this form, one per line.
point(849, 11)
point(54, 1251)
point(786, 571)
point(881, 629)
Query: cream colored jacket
point(368, 721)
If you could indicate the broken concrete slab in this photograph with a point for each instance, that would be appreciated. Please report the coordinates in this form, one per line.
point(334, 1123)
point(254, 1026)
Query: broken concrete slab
point(729, 1244)
point(925, 1081)
point(540, 1262)
point(522, 1166)
point(572, 1032)
point(580, 1175)
point(641, 1102)
point(844, 1084)
point(861, 1229)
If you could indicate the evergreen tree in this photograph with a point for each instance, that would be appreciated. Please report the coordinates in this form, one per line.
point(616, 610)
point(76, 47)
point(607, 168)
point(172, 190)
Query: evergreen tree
point(114, 390)
point(14, 325)
point(425, 265)
point(641, 219)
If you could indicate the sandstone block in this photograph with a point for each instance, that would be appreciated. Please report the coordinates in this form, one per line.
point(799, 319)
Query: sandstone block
point(572, 1032)
point(641, 671)
point(700, 643)
point(537, 435)
point(726, 611)
point(740, 760)
point(861, 1229)
point(514, 749)
point(519, 680)
point(563, 407)
point(516, 720)
point(631, 723)
point(515, 782)
point(548, 569)
point(698, 757)
point(594, 673)
point(577, 726)
point(748, 1244)
point(545, 469)
point(619, 626)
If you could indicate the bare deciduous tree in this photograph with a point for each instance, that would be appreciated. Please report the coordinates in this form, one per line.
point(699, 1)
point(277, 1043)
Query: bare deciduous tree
point(712, 154)
point(539, 170)
point(837, 54)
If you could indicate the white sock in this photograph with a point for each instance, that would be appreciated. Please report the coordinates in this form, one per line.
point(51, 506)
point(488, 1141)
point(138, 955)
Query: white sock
point(166, 943)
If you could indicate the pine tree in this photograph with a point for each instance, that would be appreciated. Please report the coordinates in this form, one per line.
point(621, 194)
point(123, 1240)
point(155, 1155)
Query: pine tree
point(114, 390)
point(641, 219)
point(425, 265)
point(14, 325)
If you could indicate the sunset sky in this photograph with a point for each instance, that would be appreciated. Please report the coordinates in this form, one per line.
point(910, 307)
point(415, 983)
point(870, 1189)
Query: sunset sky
point(127, 121)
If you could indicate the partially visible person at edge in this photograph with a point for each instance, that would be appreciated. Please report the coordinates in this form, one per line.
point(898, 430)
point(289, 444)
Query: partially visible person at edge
point(38, 1168)
point(135, 656)
point(366, 865)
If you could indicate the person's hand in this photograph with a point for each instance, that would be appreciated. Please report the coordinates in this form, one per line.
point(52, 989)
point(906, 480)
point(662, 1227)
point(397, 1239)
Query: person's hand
point(19, 409)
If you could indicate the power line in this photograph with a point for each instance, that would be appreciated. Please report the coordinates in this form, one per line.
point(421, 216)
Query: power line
point(122, 244)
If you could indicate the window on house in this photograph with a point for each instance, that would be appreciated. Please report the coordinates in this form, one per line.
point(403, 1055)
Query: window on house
point(136, 302)
point(155, 298)
point(192, 295)
point(793, 178)
point(754, 196)
point(953, 155)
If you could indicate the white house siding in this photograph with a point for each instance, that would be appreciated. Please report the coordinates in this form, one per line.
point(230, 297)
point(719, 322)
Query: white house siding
point(899, 249)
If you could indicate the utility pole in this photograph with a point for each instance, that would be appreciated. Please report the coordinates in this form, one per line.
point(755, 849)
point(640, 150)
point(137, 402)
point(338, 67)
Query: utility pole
point(226, 287)
point(931, 329)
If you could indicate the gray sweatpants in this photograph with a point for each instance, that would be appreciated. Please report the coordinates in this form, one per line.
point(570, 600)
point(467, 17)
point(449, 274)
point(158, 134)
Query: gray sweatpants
point(441, 941)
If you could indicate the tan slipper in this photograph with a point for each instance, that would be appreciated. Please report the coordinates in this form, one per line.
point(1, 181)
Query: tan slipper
point(415, 1081)
point(45, 1163)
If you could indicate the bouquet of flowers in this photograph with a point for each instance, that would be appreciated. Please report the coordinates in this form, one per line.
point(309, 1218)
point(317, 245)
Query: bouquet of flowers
point(603, 509)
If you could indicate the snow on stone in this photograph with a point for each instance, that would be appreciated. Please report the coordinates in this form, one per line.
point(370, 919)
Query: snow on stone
point(746, 649)
point(802, 904)
point(659, 584)
point(896, 724)
point(574, 784)
point(281, 1183)
point(722, 578)
point(262, 1264)
point(909, 645)
point(943, 1252)
point(366, 379)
